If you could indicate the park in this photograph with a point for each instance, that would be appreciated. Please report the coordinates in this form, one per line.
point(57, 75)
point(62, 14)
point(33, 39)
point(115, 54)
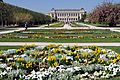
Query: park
point(66, 44)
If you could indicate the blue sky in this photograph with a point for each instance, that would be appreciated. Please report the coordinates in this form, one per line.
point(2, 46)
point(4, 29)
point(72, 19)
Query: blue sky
point(45, 6)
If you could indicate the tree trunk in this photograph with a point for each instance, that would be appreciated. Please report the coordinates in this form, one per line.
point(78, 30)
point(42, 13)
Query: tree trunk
point(2, 22)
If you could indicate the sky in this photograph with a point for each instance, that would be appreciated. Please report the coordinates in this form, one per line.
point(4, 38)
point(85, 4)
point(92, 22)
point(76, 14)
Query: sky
point(45, 6)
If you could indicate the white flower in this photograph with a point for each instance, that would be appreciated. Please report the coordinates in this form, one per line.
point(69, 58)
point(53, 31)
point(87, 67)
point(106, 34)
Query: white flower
point(34, 77)
point(104, 73)
point(10, 59)
point(106, 67)
point(38, 72)
point(92, 77)
point(15, 56)
point(33, 72)
point(102, 76)
point(51, 69)
point(46, 73)
point(69, 57)
point(23, 55)
point(70, 69)
point(4, 73)
point(3, 65)
point(1, 59)
point(100, 72)
point(61, 66)
point(114, 73)
point(27, 77)
point(107, 76)
point(61, 70)
point(77, 68)
point(96, 73)
point(114, 69)
point(86, 73)
point(9, 68)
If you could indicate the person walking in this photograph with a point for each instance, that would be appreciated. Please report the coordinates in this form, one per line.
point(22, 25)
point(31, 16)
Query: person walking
point(26, 26)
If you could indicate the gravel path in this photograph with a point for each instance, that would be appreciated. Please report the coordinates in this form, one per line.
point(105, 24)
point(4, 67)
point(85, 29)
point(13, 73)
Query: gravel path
point(46, 43)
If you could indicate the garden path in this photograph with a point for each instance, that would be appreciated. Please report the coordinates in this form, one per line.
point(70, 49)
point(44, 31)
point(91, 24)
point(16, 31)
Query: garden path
point(47, 43)
point(66, 26)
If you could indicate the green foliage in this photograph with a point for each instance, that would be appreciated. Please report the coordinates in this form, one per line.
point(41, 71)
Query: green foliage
point(107, 13)
point(22, 17)
point(10, 14)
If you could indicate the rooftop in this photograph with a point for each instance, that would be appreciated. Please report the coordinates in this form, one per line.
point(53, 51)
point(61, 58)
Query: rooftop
point(67, 9)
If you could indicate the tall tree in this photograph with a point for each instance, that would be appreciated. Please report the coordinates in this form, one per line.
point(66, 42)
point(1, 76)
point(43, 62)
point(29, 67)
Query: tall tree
point(9, 14)
point(108, 13)
point(1, 0)
point(22, 17)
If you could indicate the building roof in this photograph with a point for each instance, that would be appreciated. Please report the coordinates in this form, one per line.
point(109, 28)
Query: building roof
point(66, 9)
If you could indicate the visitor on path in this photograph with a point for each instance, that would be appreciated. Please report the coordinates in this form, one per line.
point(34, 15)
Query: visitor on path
point(26, 26)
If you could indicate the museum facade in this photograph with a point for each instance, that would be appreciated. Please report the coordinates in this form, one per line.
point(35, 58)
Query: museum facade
point(67, 15)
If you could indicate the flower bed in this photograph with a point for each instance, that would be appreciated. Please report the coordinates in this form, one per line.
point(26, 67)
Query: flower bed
point(83, 35)
point(57, 62)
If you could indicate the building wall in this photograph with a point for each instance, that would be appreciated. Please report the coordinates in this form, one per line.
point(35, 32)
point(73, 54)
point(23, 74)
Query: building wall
point(67, 15)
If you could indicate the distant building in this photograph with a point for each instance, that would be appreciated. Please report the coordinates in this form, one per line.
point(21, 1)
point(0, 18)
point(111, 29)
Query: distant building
point(67, 15)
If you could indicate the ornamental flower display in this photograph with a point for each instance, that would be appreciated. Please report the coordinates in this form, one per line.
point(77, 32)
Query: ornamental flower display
point(58, 62)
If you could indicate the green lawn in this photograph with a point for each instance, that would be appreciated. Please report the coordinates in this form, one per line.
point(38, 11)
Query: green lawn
point(62, 36)
point(9, 47)
point(74, 24)
point(5, 29)
point(59, 24)
point(98, 24)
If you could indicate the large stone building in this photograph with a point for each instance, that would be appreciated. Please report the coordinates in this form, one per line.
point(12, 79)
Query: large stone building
point(67, 15)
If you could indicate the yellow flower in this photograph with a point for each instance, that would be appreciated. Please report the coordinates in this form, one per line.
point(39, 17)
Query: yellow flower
point(57, 50)
point(104, 51)
point(20, 59)
point(63, 58)
point(70, 53)
point(51, 58)
point(23, 65)
point(75, 47)
point(115, 60)
point(66, 60)
point(101, 60)
point(85, 55)
point(93, 60)
point(56, 64)
point(51, 45)
point(98, 50)
point(78, 56)
point(19, 51)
